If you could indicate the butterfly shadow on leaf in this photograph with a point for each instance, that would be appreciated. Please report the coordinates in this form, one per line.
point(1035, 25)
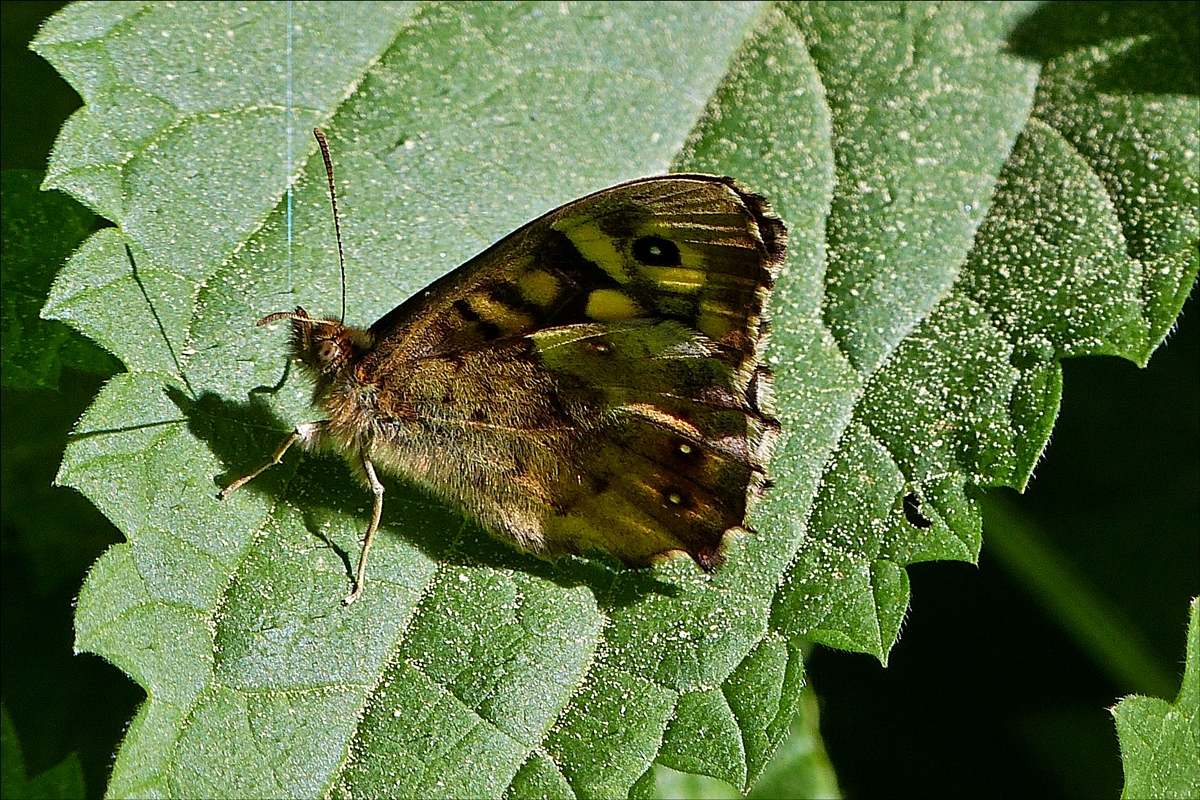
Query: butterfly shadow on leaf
point(238, 433)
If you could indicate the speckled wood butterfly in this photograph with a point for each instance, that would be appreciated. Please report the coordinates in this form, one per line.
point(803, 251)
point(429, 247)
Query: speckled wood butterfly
point(591, 381)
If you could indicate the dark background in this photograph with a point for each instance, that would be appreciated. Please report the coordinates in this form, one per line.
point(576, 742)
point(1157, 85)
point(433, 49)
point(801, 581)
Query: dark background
point(985, 695)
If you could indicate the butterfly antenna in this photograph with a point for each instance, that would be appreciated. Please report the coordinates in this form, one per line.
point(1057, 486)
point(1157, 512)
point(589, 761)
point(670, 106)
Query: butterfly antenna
point(337, 225)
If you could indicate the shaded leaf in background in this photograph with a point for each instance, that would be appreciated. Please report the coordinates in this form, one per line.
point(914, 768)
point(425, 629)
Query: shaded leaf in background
point(1160, 741)
point(40, 230)
point(65, 780)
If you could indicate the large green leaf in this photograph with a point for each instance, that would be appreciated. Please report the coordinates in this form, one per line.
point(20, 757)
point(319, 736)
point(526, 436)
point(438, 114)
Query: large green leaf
point(956, 229)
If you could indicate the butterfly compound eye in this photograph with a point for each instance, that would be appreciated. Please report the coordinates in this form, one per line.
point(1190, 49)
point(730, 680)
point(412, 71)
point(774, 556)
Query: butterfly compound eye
point(327, 352)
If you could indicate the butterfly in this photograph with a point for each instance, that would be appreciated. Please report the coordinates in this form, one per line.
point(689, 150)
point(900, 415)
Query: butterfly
point(593, 381)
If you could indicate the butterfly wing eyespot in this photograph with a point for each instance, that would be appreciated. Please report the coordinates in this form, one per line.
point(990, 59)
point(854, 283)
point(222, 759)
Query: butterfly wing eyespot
point(655, 251)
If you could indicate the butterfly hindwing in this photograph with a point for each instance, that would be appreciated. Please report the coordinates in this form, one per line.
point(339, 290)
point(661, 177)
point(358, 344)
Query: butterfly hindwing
point(677, 455)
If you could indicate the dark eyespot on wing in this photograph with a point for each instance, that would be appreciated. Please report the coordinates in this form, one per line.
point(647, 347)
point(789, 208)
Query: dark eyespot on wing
point(655, 251)
point(676, 496)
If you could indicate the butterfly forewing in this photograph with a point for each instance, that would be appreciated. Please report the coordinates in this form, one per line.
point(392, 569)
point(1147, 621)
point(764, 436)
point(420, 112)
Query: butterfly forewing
point(694, 248)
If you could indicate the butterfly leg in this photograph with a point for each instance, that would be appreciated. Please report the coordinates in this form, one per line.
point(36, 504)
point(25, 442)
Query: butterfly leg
point(306, 432)
point(377, 488)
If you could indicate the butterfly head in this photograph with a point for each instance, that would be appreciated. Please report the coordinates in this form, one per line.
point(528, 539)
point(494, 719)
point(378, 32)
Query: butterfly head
point(323, 346)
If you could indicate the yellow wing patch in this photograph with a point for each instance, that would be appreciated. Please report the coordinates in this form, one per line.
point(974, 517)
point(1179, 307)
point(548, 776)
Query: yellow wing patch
point(506, 319)
point(596, 246)
point(612, 305)
point(539, 287)
point(680, 280)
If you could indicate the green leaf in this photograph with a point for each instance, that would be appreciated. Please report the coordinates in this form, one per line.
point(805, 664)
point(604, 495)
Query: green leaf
point(800, 767)
point(950, 242)
point(63, 780)
point(967, 396)
point(1160, 741)
point(40, 230)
